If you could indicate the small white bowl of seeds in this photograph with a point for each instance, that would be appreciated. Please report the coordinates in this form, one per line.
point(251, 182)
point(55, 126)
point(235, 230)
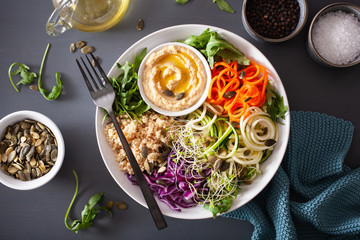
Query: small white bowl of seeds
point(32, 150)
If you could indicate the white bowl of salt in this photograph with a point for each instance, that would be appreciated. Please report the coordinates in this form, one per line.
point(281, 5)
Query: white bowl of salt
point(334, 35)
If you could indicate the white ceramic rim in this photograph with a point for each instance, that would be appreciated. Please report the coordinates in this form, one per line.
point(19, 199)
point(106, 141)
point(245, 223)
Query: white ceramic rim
point(193, 107)
point(15, 117)
point(269, 167)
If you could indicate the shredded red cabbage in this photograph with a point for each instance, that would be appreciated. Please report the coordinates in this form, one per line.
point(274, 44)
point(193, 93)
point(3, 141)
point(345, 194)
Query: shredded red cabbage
point(177, 186)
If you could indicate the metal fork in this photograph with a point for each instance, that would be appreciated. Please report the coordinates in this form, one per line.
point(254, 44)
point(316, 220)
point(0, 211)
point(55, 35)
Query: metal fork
point(103, 96)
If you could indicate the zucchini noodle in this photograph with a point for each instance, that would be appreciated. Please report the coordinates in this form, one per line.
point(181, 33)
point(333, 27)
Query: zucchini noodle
point(256, 127)
point(233, 155)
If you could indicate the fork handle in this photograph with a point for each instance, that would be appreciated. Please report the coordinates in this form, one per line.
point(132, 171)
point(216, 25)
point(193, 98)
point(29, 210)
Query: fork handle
point(145, 189)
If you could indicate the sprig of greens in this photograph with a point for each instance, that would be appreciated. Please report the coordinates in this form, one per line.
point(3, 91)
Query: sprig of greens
point(223, 5)
point(88, 213)
point(128, 99)
point(221, 206)
point(212, 45)
point(26, 76)
point(275, 105)
point(56, 90)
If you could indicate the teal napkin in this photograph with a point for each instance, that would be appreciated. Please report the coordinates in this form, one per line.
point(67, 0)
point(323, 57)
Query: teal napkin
point(313, 195)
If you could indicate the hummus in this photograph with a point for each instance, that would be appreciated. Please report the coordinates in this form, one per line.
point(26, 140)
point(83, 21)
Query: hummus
point(174, 78)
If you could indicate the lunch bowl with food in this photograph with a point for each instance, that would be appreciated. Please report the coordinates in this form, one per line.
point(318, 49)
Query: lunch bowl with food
point(174, 79)
point(32, 150)
point(274, 21)
point(189, 160)
point(333, 37)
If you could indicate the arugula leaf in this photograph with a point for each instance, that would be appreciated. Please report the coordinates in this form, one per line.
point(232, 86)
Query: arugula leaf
point(211, 45)
point(56, 90)
point(128, 99)
point(275, 105)
point(223, 5)
point(221, 206)
point(181, 1)
point(89, 212)
point(27, 77)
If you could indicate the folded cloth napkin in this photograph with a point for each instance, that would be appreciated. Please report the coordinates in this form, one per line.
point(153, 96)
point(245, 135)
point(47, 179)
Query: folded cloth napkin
point(312, 195)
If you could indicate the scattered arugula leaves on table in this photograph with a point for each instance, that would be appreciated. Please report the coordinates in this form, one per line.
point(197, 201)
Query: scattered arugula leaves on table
point(128, 99)
point(89, 212)
point(56, 90)
point(28, 77)
point(211, 44)
point(222, 4)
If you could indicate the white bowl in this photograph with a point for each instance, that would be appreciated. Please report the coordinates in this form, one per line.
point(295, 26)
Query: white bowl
point(191, 108)
point(15, 117)
point(268, 168)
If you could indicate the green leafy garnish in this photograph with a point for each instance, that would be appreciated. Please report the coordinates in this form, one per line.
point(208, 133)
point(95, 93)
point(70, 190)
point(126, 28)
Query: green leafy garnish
point(23, 70)
point(221, 206)
point(28, 77)
point(181, 1)
point(223, 5)
point(275, 105)
point(211, 45)
point(128, 99)
point(88, 213)
point(56, 90)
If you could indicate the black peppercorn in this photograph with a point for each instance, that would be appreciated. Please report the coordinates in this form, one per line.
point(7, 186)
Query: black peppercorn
point(273, 18)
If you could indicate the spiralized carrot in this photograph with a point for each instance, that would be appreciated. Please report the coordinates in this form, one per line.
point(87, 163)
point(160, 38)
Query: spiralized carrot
point(236, 89)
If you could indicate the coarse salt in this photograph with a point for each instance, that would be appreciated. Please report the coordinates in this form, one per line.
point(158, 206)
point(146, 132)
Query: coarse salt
point(336, 37)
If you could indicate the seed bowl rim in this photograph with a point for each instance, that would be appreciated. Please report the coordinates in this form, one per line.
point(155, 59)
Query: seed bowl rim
point(311, 46)
point(18, 116)
point(301, 24)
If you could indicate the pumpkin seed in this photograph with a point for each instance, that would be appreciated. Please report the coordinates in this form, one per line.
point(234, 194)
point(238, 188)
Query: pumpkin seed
point(109, 205)
point(235, 124)
point(140, 24)
point(269, 142)
point(247, 152)
point(242, 75)
point(80, 44)
point(180, 96)
point(93, 61)
point(162, 169)
point(120, 205)
point(72, 47)
point(211, 159)
point(168, 93)
point(224, 166)
point(229, 94)
point(144, 151)
point(87, 49)
point(247, 99)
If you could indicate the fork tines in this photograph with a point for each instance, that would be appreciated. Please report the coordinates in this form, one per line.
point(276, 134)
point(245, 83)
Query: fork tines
point(100, 82)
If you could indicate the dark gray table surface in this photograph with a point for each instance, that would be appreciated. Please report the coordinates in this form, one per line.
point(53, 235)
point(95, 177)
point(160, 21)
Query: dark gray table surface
point(39, 213)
